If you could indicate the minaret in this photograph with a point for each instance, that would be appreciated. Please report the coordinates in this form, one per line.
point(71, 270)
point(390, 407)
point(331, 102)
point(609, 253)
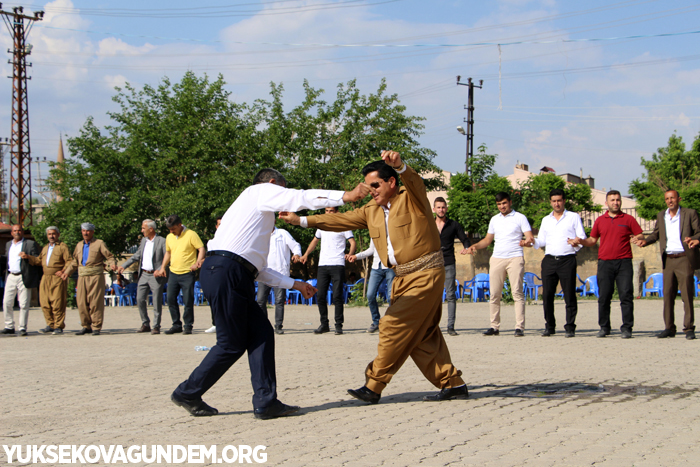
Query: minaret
point(59, 160)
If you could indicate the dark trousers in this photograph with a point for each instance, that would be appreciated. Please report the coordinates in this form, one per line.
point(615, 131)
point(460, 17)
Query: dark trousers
point(280, 298)
point(241, 326)
point(326, 274)
point(610, 272)
point(679, 273)
point(559, 269)
point(184, 282)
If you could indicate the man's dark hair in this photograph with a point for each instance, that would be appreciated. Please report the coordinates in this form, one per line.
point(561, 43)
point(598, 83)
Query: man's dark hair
point(265, 175)
point(501, 195)
point(172, 221)
point(384, 171)
point(557, 192)
point(218, 218)
point(439, 199)
point(612, 192)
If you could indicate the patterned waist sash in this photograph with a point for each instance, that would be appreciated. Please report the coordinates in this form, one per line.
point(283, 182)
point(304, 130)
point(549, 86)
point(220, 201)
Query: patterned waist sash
point(427, 261)
point(90, 270)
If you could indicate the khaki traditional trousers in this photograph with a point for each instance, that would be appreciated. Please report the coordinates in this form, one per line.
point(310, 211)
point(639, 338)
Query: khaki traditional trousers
point(52, 295)
point(410, 328)
point(91, 300)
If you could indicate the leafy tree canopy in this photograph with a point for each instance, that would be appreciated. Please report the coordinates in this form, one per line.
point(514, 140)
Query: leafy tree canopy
point(187, 149)
point(670, 168)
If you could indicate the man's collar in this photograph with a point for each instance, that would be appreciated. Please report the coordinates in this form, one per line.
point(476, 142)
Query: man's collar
point(15, 242)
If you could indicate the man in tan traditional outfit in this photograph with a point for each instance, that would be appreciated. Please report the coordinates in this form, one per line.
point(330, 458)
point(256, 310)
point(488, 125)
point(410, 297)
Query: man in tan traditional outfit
point(56, 260)
point(400, 222)
point(89, 257)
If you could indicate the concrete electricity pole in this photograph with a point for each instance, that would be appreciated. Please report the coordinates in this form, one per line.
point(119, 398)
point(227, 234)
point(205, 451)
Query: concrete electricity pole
point(20, 190)
point(470, 120)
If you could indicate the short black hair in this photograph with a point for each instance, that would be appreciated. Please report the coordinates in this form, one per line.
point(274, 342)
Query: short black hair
point(172, 221)
point(384, 171)
point(265, 175)
point(612, 192)
point(501, 195)
point(218, 218)
point(557, 192)
point(439, 199)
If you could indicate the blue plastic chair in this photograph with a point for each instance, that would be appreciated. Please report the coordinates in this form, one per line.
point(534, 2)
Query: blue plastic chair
point(457, 291)
point(198, 293)
point(294, 296)
point(348, 289)
point(657, 285)
point(530, 288)
point(481, 287)
point(468, 289)
point(123, 298)
point(590, 287)
point(697, 286)
point(131, 289)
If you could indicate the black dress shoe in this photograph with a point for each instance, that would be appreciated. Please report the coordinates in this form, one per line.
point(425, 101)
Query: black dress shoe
point(603, 333)
point(626, 334)
point(8, 331)
point(690, 335)
point(519, 333)
point(188, 330)
point(322, 329)
point(144, 328)
point(278, 409)
point(84, 331)
point(173, 330)
point(365, 394)
point(338, 330)
point(459, 392)
point(196, 407)
point(22, 332)
point(452, 332)
point(666, 333)
point(491, 332)
point(570, 334)
point(548, 332)
point(47, 329)
point(278, 330)
point(96, 332)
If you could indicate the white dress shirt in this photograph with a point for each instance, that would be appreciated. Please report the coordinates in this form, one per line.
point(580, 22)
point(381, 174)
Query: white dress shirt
point(507, 232)
point(282, 246)
point(554, 234)
point(673, 232)
point(48, 253)
point(13, 259)
point(147, 255)
point(246, 227)
point(376, 261)
point(332, 247)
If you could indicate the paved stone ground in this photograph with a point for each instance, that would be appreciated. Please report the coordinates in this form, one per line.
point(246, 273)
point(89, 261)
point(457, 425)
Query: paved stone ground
point(534, 401)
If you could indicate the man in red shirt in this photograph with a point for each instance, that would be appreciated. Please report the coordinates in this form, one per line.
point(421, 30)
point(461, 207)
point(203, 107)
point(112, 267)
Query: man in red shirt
point(614, 228)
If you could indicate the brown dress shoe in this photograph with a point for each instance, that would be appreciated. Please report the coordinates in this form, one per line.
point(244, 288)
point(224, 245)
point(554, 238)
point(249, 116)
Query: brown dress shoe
point(155, 330)
point(144, 328)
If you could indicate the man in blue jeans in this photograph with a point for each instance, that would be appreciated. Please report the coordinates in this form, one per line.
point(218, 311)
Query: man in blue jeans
point(378, 273)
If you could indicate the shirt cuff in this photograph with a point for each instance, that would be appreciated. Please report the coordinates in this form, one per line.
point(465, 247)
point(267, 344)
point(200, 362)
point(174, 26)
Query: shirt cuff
point(401, 169)
point(335, 195)
point(303, 222)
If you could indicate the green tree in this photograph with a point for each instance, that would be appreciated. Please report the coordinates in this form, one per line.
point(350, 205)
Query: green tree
point(670, 168)
point(472, 201)
point(532, 197)
point(187, 149)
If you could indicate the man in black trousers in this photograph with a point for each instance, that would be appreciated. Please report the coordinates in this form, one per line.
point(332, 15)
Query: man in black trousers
point(237, 256)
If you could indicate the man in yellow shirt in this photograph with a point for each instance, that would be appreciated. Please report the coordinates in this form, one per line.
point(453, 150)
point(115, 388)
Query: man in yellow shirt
point(185, 253)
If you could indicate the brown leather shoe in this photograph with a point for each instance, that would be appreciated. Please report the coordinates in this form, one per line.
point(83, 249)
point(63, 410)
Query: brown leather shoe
point(144, 328)
point(155, 330)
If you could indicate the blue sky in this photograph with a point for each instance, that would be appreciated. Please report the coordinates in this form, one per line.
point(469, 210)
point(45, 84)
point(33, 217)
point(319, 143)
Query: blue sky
point(592, 105)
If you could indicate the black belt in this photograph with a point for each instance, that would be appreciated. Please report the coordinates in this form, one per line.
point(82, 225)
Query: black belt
point(147, 271)
point(560, 257)
point(16, 273)
point(675, 255)
point(239, 259)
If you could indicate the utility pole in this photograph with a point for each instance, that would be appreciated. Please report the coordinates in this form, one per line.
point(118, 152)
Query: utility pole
point(20, 190)
point(4, 147)
point(469, 120)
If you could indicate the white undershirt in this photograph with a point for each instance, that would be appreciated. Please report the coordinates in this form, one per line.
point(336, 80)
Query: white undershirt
point(673, 232)
point(147, 255)
point(48, 253)
point(13, 259)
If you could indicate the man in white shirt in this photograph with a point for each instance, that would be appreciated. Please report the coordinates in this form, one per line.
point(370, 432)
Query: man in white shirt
point(149, 257)
point(507, 228)
point(238, 257)
point(281, 246)
point(331, 269)
point(21, 277)
point(559, 263)
point(378, 273)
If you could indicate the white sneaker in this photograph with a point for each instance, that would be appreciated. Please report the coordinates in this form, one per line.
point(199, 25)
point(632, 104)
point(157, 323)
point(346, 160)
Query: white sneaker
point(211, 329)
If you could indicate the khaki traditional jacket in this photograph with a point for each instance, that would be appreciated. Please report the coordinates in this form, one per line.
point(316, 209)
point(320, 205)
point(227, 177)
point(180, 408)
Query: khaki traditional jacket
point(97, 255)
point(61, 259)
point(412, 228)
